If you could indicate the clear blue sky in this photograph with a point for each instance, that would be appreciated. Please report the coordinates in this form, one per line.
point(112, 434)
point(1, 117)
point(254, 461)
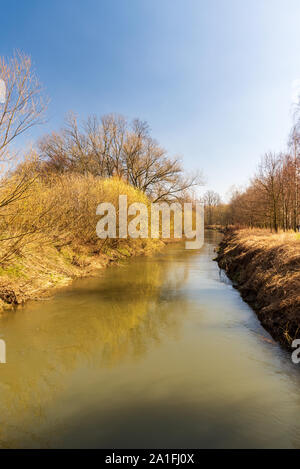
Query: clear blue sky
point(212, 77)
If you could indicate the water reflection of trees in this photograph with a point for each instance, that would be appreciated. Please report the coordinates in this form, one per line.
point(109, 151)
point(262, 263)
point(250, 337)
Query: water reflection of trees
point(98, 323)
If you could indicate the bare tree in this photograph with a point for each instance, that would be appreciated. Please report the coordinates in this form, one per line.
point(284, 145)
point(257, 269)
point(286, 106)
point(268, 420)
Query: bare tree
point(114, 147)
point(269, 178)
point(211, 200)
point(24, 102)
point(294, 145)
point(22, 108)
point(272, 199)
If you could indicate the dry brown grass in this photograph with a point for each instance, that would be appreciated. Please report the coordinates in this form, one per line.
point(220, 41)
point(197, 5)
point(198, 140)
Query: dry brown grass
point(266, 269)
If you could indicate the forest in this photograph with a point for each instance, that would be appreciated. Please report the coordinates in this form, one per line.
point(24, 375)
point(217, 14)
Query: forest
point(271, 200)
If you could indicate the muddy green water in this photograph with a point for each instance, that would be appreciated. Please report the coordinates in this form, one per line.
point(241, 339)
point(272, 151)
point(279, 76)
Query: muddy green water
point(158, 352)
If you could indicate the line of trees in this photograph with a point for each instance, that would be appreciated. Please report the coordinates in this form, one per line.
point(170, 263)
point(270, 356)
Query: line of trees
point(272, 200)
point(113, 147)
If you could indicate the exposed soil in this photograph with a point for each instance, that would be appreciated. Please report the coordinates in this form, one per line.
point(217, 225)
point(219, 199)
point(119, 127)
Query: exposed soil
point(265, 268)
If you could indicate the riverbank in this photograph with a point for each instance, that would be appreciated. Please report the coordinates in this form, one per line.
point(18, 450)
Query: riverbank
point(265, 268)
point(48, 235)
point(43, 268)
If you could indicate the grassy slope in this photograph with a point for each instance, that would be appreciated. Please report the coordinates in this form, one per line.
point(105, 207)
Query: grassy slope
point(266, 269)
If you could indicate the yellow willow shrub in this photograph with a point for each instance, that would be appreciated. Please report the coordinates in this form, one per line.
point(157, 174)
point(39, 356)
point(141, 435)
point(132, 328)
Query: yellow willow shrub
point(79, 197)
point(61, 210)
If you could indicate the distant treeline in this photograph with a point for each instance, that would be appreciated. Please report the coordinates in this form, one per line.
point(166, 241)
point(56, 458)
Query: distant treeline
point(272, 199)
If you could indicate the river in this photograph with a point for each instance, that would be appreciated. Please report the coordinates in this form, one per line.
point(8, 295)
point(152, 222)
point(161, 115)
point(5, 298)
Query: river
point(157, 352)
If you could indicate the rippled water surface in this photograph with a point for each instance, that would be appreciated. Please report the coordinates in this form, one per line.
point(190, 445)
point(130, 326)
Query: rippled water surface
point(158, 352)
